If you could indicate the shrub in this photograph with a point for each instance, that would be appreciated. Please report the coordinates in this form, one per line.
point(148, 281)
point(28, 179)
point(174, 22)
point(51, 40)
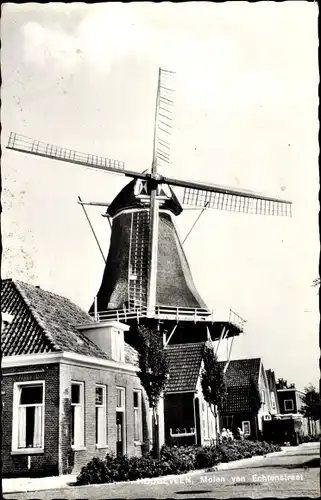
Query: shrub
point(310, 439)
point(95, 472)
point(208, 456)
point(179, 459)
point(173, 461)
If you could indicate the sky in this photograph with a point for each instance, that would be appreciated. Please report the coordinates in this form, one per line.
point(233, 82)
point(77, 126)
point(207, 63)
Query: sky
point(84, 77)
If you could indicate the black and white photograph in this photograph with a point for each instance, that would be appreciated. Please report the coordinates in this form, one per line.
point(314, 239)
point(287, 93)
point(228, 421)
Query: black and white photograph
point(160, 250)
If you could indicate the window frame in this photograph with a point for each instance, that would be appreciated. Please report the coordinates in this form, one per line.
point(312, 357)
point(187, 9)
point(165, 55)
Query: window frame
point(17, 386)
point(79, 446)
point(123, 391)
point(103, 443)
point(287, 401)
point(140, 412)
point(247, 422)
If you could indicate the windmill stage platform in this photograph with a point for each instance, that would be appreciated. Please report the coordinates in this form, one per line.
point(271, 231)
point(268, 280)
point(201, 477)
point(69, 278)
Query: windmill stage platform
point(199, 320)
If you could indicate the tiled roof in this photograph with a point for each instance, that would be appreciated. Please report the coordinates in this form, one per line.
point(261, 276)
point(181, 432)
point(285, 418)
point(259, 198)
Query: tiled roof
point(238, 375)
point(239, 371)
point(45, 322)
point(184, 366)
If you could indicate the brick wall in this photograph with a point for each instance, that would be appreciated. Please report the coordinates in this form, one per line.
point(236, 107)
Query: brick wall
point(45, 463)
point(58, 457)
point(72, 461)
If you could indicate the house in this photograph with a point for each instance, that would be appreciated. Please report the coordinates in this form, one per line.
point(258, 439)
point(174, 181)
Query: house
point(289, 398)
point(188, 419)
point(70, 389)
point(236, 411)
point(273, 392)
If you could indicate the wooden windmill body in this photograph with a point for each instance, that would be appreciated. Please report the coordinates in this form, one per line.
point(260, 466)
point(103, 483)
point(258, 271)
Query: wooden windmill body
point(147, 276)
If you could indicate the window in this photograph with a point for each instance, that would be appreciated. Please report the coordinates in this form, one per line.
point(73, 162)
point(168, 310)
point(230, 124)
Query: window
point(118, 352)
point(246, 428)
point(28, 416)
point(262, 397)
point(137, 395)
point(101, 437)
point(288, 404)
point(77, 414)
point(120, 421)
point(120, 399)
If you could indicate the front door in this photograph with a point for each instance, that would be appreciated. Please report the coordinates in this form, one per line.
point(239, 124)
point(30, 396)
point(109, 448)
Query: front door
point(120, 433)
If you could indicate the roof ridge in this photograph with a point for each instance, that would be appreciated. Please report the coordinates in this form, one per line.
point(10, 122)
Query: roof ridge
point(172, 346)
point(243, 359)
point(34, 313)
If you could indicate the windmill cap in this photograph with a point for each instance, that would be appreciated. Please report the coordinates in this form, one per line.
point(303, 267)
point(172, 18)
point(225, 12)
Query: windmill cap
point(127, 198)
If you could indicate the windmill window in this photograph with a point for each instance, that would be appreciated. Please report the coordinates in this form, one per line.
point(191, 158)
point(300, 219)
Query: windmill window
point(28, 417)
point(288, 405)
point(77, 415)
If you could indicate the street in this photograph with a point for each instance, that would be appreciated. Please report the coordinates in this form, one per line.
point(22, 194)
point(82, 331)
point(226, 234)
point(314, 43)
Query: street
point(294, 472)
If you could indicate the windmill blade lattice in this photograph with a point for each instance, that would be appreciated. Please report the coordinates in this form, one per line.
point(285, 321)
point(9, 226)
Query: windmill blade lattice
point(234, 202)
point(25, 144)
point(164, 116)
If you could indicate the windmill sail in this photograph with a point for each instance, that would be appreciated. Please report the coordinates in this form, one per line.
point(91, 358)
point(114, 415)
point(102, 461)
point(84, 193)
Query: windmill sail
point(24, 144)
point(236, 202)
point(163, 118)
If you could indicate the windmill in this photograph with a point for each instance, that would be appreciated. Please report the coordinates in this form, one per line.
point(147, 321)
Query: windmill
point(147, 276)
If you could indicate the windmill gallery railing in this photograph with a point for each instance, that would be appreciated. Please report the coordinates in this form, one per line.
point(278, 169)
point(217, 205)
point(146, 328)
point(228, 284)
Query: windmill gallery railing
point(167, 313)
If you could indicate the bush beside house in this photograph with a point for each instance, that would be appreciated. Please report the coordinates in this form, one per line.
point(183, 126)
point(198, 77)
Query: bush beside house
point(172, 461)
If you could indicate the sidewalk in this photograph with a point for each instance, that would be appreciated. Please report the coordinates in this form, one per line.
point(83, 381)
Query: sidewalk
point(16, 485)
point(20, 484)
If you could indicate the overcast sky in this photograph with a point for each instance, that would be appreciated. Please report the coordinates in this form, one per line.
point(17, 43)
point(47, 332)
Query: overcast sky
point(84, 77)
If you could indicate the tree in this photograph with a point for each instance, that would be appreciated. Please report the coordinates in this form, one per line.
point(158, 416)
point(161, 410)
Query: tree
point(213, 382)
point(255, 402)
point(311, 404)
point(153, 373)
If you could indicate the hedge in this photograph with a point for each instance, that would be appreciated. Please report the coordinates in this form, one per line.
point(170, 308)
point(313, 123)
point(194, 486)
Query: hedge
point(173, 461)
